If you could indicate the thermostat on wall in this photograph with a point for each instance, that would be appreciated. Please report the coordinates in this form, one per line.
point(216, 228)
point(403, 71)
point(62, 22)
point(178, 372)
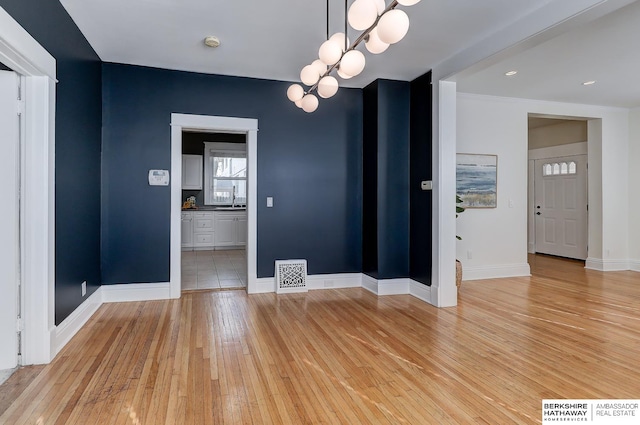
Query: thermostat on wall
point(158, 177)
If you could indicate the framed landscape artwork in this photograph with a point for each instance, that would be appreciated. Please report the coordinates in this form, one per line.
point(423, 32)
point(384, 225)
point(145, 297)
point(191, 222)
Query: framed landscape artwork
point(477, 180)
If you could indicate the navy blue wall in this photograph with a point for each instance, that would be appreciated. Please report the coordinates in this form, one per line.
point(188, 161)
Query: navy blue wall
point(390, 151)
point(78, 122)
point(370, 181)
point(310, 163)
point(420, 247)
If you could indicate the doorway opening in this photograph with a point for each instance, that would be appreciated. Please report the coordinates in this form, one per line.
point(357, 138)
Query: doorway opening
point(248, 127)
point(214, 216)
point(558, 186)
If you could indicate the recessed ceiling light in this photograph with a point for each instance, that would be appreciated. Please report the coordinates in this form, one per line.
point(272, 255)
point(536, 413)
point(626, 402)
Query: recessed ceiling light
point(212, 41)
point(589, 83)
point(510, 73)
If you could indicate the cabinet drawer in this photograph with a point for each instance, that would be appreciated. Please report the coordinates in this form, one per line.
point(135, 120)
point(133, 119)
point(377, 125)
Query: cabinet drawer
point(202, 224)
point(203, 239)
point(203, 214)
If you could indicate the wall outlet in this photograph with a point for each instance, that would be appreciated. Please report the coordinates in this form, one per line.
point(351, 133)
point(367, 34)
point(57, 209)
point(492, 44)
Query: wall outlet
point(84, 288)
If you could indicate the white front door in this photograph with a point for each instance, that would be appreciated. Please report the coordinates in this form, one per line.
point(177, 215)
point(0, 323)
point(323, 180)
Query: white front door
point(9, 213)
point(560, 206)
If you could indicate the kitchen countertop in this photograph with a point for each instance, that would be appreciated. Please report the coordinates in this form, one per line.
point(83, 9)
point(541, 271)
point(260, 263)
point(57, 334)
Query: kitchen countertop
point(210, 208)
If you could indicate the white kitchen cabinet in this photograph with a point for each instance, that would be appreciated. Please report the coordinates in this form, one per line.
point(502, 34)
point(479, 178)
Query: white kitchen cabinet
point(187, 231)
point(197, 230)
point(203, 229)
point(192, 172)
point(231, 228)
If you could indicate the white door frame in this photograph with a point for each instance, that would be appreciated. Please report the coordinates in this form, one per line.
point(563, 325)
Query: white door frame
point(22, 53)
point(248, 126)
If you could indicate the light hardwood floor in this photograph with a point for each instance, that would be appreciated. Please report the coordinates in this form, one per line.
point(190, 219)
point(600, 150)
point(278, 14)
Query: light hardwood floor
point(346, 356)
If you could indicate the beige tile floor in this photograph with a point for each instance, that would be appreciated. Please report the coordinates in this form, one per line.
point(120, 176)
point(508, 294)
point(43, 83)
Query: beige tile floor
point(220, 269)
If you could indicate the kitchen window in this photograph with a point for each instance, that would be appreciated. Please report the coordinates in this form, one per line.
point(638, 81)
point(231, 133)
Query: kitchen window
point(225, 174)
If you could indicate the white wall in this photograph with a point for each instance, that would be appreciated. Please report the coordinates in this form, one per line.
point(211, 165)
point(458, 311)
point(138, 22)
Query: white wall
point(498, 237)
point(634, 180)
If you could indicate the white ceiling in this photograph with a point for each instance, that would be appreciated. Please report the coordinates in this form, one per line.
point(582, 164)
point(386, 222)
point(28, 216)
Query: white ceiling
point(604, 50)
point(274, 39)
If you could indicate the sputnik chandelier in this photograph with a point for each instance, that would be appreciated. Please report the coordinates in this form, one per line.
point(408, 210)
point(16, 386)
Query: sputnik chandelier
point(381, 26)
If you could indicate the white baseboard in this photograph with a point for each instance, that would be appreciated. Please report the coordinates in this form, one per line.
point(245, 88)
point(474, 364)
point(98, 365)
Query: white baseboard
point(420, 291)
point(531, 248)
point(634, 265)
point(136, 292)
point(76, 320)
point(264, 285)
point(398, 286)
point(495, 271)
point(314, 281)
point(370, 283)
point(334, 281)
point(607, 265)
point(383, 287)
point(6, 373)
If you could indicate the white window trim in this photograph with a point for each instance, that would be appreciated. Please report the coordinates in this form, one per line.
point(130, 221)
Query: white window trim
point(218, 147)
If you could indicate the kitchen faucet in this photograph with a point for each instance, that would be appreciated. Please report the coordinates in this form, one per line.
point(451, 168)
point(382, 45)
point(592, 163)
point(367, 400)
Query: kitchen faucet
point(233, 197)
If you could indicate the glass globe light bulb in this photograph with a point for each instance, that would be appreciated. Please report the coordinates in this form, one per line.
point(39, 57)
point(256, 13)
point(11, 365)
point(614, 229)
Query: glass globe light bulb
point(309, 103)
point(330, 52)
point(408, 2)
point(339, 38)
point(343, 75)
point(352, 62)
point(362, 14)
point(295, 92)
point(320, 66)
point(374, 44)
point(393, 26)
point(309, 75)
point(327, 86)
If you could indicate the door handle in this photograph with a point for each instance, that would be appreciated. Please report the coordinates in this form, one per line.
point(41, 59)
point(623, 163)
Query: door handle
point(538, 213)
point(538, 207)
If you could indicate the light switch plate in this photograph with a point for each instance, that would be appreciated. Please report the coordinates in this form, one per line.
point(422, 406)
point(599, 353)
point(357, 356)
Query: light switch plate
point(269, 201)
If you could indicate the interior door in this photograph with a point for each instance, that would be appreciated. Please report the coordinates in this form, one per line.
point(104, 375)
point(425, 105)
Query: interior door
point(560, 206)
point(9, 215)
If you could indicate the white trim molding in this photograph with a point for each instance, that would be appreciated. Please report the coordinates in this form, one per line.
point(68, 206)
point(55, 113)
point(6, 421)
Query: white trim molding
point(136, 292)
point(22, 53)
point(401, 286)
point(495, 271)
point(420, 291)
point(76, 320)
point(314, 282)
point(634, 265)
point(383, 287)
point(248, 126)
point(334, 281)
point(607, 265)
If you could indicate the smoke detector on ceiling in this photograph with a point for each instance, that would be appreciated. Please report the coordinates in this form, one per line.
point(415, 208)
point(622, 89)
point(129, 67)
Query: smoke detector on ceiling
point(212, 41)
